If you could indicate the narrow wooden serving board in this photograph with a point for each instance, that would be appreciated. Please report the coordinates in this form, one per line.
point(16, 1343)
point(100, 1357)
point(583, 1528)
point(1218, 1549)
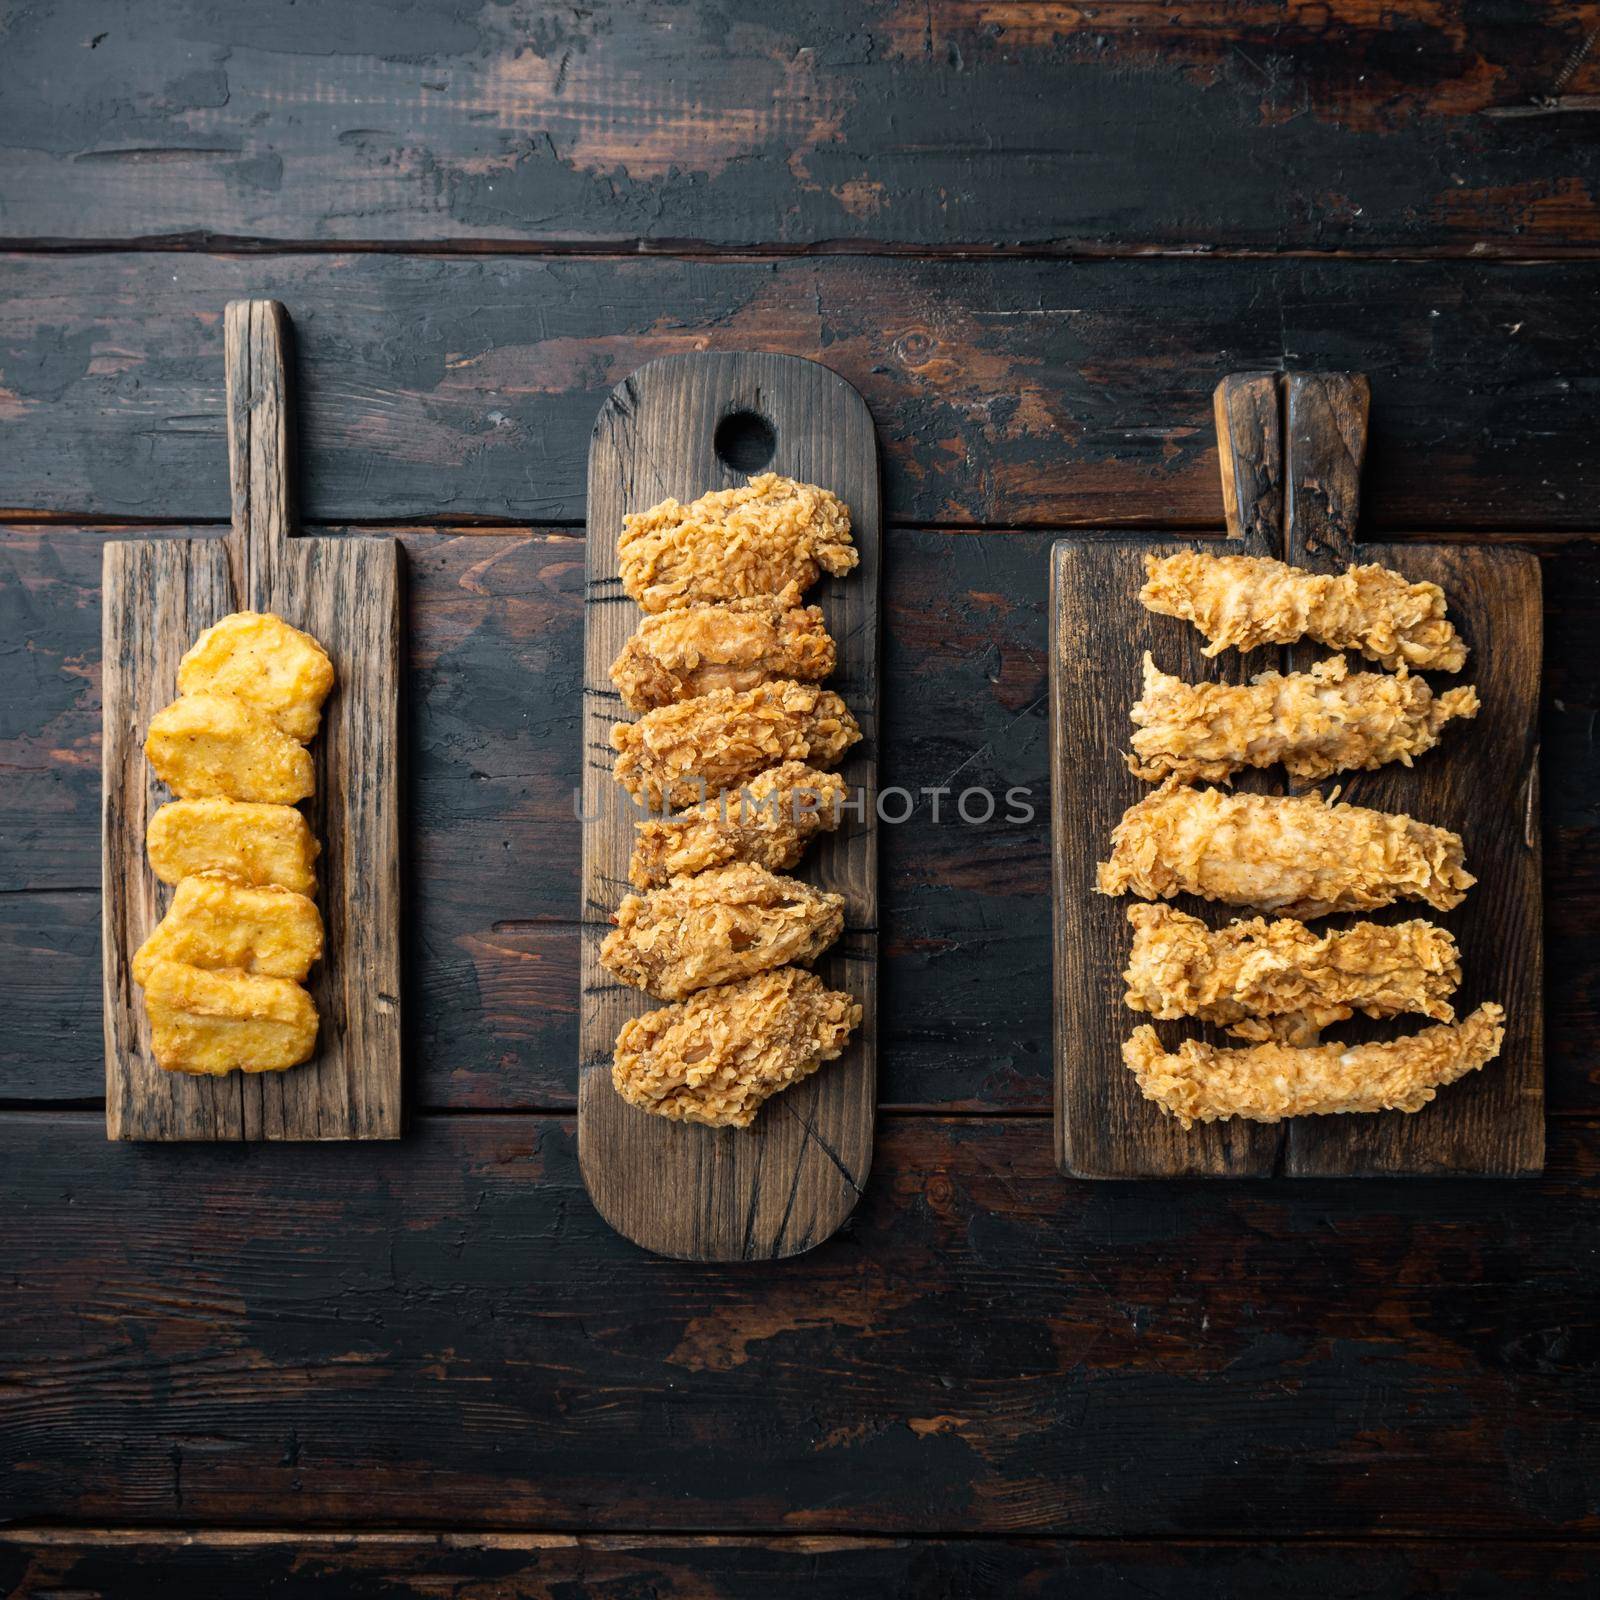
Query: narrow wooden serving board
point(158, 595)
point(682, 426)
point(1292, 451)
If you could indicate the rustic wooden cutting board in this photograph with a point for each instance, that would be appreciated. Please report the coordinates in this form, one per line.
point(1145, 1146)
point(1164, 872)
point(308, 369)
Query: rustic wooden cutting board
point(1292, 450)
point(682, 426)
point(158, 595)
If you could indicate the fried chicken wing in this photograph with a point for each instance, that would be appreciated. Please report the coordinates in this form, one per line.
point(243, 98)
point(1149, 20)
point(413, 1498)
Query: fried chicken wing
point(724, 925)
point(258, 843)
point(1316, 723)
point(257, 657)
point(1296, 854)
point(692, 650)
point(716, 1057)
point(1279, 980)
point(206, 746)
point(1246, 601)
point(768, 821)
point(681, 754)
point(216, 920)
point(215, 1022)
point(732, 543)
point(1201, 1083)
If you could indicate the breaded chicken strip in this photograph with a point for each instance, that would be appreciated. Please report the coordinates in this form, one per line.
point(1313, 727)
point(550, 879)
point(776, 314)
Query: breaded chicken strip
point(1316, 723)
point(735, 542)
point(1279, 980)
point(213, 746)
point(1297, 854)
point(768, 821)
point(716, 1057)
point(256, 656)
point(1201, 1083)
point(216, 920)
point(1246, 601)
point(681, 754)
point(258, 843)
point(724, 925)
point(216, 1022)
point(695, 649)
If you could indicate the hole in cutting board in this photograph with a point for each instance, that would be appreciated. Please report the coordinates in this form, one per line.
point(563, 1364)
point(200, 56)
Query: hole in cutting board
point(745, 441)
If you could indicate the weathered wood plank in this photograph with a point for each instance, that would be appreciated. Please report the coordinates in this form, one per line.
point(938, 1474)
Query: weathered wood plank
point(129, 1564)
point(787, 1183)
point(1005, 392)
point(1348, 126)
point(444, 1332)
point(491, 951)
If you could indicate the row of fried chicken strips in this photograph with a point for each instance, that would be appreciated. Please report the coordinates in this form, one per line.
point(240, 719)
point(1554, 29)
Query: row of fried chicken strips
point(1276, 984)
point(224, 972)
point(732, 763)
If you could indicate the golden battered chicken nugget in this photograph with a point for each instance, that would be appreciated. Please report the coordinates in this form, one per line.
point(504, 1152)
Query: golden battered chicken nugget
point(735, 542)
point(257, 843)
point(205, 745)
point(257, 657)
point(217, 920)
point(215, 1022)
point(719, 1055)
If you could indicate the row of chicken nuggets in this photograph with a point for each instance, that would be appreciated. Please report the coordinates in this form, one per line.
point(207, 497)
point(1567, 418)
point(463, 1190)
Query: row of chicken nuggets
point(223, 973)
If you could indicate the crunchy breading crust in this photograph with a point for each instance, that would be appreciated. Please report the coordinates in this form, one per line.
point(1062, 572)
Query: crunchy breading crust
point(695, 649)
point(680, 755)
point(259, 843)
point(1296, 854)
point(1279, 980)
point(718, 928)
point(716, 1057)
point(1316, 723)
point(216, 1022)
point(735, 542)
point(213, 746)
point(1202, 1083)
point(1246, 601)
point(768, 821)
point(256, 656)
point(217, 920)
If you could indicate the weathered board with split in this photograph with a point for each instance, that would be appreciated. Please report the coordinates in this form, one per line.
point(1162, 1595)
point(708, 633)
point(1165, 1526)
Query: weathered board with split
point(786, 1184)
point(1291, 451)
point(157, 597)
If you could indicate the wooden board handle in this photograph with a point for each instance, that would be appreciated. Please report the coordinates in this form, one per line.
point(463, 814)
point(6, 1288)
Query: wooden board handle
point(260, 443)
point(1291, 446)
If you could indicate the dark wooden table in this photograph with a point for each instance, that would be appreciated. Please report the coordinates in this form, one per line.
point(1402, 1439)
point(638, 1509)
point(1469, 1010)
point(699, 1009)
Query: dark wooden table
point(1034, 237)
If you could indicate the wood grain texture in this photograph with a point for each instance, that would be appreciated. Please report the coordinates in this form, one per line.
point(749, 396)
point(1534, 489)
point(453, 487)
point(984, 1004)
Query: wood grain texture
point(158, 595)
point(443, 1333)
point(1352, 125)
point(133, 1564)
point(788, 1182)
point(1476, 783)
point(1007, 393)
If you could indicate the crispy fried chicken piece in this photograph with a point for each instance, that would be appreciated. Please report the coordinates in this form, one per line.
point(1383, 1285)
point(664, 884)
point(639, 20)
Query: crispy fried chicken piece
point(724, 925)
point(1246, 601)
point(695, 649)
point(1296, 854)
point(716, 1057)
point(206, 746)
point(1201, 1083)
point(258, 843)
point(681, 754)
point(1316, 723)
point(216, 1022)
point(1279, 980)
point(256, 656)
point(768, 821)
point(216, 920)
point(735, 542)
